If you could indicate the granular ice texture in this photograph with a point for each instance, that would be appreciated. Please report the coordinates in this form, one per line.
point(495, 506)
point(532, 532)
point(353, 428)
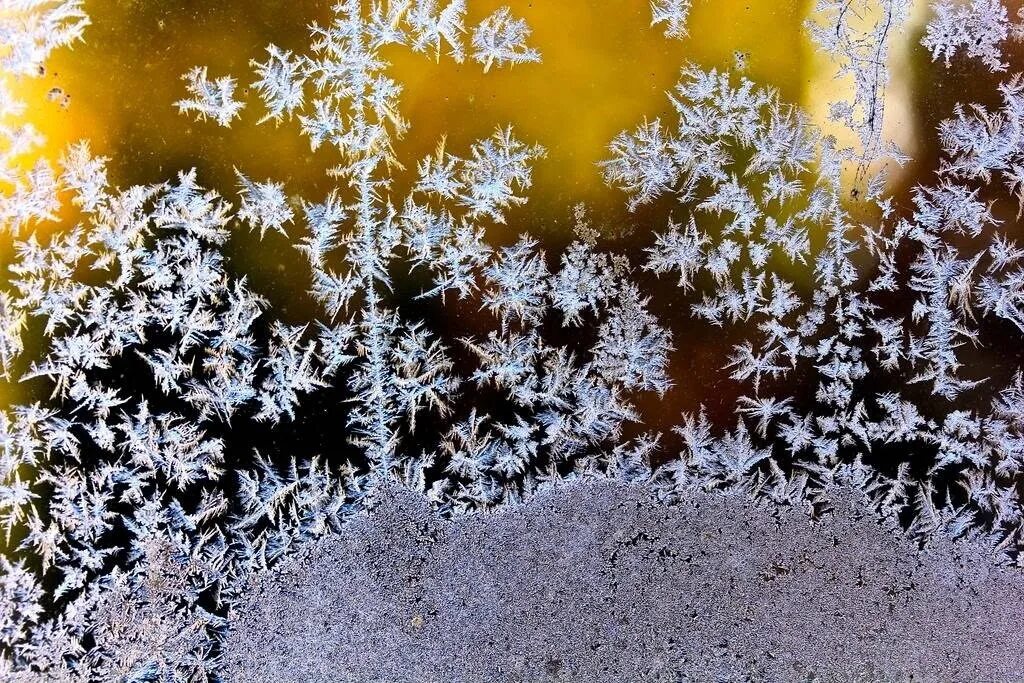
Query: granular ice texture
point(598, 581)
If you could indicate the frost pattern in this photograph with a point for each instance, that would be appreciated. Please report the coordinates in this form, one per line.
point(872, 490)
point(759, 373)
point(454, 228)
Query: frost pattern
point(136, 510)
point(500, 39)
point(210, 99)
point(849, 330)
point(280, 83)
point(978, 28)
point(673, 14)
point(856, 34)
point(263, 205)
point(31, 29)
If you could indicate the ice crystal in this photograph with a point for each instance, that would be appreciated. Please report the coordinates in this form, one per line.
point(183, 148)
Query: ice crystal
point(210, 99)
point(979, 28)
point(673, 14)
point(280, 83)
point(31, 29)
point(433, 28)
point(501, 39)
point(264, 205)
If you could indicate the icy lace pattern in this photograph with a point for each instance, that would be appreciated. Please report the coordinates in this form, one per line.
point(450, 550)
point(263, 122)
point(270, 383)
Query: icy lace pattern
point(155, 476)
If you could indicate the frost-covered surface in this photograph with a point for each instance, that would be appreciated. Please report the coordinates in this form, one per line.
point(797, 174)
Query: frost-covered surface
point(164, 462)
point(601, 582)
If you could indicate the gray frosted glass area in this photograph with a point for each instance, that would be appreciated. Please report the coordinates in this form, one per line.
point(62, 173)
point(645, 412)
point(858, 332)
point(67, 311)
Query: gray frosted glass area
point(598, 581)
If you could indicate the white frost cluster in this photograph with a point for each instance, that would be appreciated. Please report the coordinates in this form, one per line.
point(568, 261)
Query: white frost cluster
point(31, 29)
point(673, 14)
point(263, 205)
point(210, 99)
point(501, 39)
point(977, 27)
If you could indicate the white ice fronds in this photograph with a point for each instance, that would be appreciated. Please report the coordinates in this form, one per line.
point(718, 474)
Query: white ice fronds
point(501, 39)
point(210, 99)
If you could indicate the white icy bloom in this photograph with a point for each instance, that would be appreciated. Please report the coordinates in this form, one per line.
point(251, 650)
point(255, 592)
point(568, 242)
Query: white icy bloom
point(977, 27)
point(501, 39)
point(210, 99)
point(672, 13)
point(280, 83)
point(264, 205)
